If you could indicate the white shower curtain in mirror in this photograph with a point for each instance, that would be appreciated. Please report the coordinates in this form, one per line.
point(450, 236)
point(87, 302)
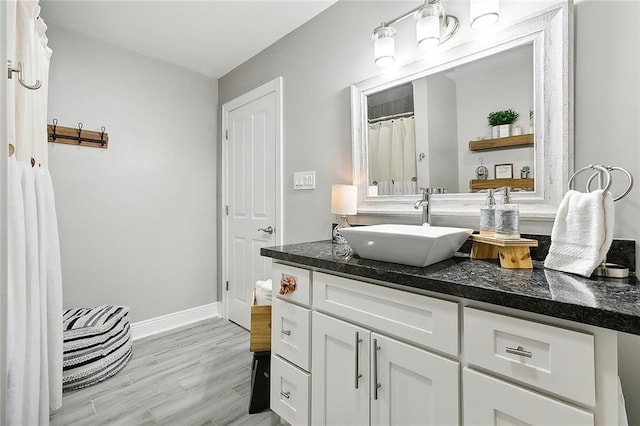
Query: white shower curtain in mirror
point(392, 156)
point(34, 312)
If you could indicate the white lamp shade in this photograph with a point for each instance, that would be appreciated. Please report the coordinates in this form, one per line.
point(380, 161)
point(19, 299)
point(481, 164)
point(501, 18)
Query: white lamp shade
point(344, 200)
point(384, 51)
point(428, 32)
point(484, 13)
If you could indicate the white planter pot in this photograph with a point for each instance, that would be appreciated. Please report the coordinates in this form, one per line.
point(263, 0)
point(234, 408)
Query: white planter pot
point(504, 130)
point(495, 132)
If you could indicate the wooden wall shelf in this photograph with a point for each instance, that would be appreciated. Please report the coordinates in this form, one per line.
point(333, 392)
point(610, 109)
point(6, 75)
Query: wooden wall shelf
point(523, 184)
point(500, 143)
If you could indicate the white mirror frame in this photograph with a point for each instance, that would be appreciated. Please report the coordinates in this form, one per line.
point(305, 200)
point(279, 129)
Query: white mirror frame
point(550, 32)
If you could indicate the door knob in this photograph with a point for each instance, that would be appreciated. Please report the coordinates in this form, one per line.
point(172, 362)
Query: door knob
point(268, 229)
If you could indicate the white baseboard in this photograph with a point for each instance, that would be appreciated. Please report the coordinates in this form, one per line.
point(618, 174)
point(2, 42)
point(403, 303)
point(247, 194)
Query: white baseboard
point(173, 320)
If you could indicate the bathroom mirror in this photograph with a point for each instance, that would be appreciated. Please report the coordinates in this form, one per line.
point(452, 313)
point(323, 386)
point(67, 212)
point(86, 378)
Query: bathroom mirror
point(535, 52)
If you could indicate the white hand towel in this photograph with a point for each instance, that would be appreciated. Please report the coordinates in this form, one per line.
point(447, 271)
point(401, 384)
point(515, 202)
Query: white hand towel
point(582, 232)
point(263, 292)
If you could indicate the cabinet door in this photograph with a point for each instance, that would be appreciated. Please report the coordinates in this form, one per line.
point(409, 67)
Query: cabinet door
point(411, 386)
point(489, 401)
point(340, 371)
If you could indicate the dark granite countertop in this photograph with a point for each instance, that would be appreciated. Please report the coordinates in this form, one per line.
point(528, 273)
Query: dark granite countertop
point(605, 302)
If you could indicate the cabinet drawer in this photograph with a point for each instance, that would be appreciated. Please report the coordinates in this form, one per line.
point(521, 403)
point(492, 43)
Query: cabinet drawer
point(291, 332)
point(489, 401)
point(289, 392)
point(423, 320)
point(546, 357)
point(302, 277)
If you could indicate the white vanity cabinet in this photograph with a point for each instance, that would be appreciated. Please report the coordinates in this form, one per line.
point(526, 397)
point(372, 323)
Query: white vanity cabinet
point(361, 376)
point(376, 355)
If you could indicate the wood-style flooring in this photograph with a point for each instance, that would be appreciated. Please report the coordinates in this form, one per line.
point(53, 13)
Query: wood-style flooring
point(194, 375)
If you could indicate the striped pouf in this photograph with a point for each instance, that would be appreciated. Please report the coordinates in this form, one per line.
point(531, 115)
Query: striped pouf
point(97, 344)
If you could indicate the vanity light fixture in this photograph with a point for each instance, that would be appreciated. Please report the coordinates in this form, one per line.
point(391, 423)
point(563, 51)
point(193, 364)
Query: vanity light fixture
point(433, 27)
point(483, 13)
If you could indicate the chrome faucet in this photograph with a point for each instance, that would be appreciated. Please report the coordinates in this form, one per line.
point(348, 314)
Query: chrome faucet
point(425, 203)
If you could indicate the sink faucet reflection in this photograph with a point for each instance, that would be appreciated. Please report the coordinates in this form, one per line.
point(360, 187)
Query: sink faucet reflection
point(425, 203)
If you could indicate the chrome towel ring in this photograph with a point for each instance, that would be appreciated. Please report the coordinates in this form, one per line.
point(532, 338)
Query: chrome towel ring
point(603, 174)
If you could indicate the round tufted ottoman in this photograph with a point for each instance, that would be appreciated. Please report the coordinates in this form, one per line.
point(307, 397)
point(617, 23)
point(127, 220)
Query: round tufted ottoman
point(97, 344)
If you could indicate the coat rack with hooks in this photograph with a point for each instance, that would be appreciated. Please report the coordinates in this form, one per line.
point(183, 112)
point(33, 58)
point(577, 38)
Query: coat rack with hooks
point(77, 136)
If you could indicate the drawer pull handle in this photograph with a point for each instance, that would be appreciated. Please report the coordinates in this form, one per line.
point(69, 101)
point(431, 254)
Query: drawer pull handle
point(376, 385)
point(519, 351)
point(287, 332)
point(285, 394)
point(357, 345)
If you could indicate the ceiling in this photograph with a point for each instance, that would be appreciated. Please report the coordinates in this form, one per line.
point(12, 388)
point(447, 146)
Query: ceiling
point(210, 37)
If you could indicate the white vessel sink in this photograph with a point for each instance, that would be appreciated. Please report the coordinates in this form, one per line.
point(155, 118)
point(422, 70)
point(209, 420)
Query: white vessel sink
point(413, 245)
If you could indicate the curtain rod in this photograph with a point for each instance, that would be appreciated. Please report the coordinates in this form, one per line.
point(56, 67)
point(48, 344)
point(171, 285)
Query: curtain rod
point(389, 117)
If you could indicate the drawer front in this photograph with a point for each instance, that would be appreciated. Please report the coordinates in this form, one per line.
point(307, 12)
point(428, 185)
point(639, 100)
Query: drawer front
point(489, 401)
point(550, 358)
point(302, 278)
point(423, 320)
point(291, 332)
point(289, 392)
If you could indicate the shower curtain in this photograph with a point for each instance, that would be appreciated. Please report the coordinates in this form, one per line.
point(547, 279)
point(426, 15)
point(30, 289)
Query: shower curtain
point(34, 314)
point(392, 156)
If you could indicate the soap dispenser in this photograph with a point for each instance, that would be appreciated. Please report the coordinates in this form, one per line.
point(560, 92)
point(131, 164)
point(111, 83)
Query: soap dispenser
point(488, 215)
point(507, 217)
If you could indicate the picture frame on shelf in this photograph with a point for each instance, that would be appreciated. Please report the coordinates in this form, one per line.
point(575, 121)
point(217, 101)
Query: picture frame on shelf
point(503, 171)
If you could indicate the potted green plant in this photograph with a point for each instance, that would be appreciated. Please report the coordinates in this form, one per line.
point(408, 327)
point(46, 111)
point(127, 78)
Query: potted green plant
point(502, 121)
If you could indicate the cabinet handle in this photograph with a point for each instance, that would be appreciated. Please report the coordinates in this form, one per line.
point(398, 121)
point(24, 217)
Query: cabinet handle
point(285, 394)
point(519, 351)
point(377, 385)
point(357, 345)
point(287, 332)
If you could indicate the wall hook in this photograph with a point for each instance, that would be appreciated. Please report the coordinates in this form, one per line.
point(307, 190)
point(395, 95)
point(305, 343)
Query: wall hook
point(55, 126)
point(80, 132)
point(18, 69)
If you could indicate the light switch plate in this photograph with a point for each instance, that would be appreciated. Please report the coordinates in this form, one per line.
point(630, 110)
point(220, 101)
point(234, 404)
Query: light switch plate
point(304, 180)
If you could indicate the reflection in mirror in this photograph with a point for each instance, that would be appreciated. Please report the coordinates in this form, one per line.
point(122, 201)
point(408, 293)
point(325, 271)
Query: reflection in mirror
point(419, 132)
point(392, 142)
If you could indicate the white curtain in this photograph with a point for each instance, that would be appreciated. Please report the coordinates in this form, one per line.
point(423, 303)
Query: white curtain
point(392, 156)
point(34, 314)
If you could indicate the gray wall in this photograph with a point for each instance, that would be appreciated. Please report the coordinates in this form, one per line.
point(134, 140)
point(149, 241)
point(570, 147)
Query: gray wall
point(137, 221)
point(322, 58)
point(607, 129)
point(318, 62)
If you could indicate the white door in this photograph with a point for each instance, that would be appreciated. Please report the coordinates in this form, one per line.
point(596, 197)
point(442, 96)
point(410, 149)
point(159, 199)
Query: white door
point(252, 134)
point(340, 371)
point(415, 387)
